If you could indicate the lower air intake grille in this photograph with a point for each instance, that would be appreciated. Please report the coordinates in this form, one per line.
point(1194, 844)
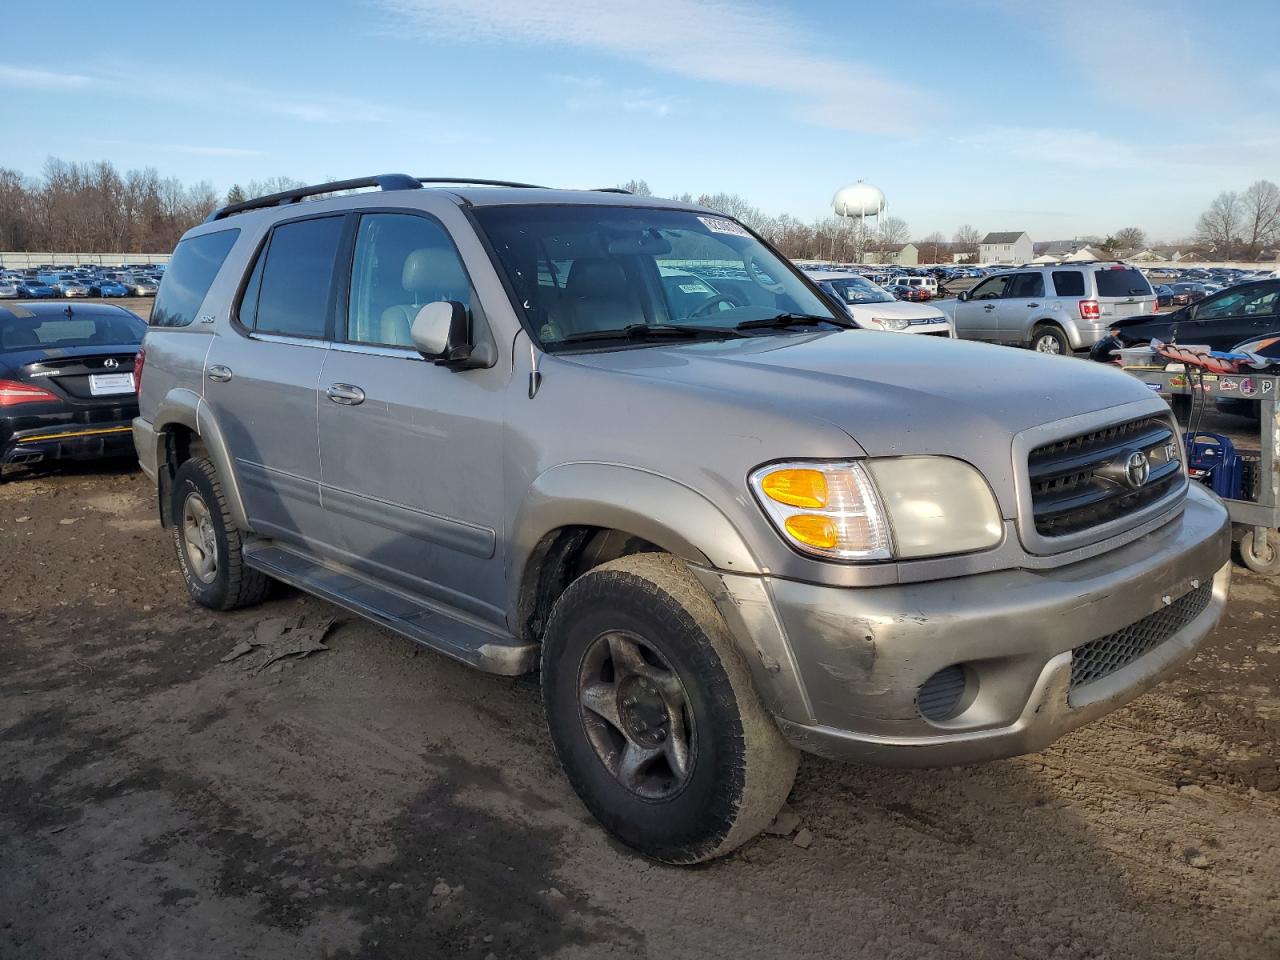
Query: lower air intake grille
point(1101, 658)
point(940, 695)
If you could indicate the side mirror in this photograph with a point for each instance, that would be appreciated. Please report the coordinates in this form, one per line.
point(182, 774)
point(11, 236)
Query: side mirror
point(440, 332)
point(964, 295)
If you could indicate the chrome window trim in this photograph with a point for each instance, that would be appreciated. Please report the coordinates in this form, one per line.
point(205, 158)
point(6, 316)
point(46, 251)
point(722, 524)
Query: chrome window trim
point(1028, 440)
point(375, 350)
point(319, 342)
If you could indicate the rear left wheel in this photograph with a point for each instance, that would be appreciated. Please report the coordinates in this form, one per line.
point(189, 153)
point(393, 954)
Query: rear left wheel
point(653, 715)
point(1050, 339)
point(209, 546)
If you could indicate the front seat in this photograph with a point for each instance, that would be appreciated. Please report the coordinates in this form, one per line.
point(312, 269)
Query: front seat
point(597, 296)
point(429, 274)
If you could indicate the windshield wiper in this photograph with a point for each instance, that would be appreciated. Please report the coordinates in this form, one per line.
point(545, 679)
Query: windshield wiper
point(645, 331)
point(791, 320)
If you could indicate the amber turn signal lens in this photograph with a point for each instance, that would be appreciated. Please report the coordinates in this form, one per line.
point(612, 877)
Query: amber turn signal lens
point(796, 488)
point(814, 531)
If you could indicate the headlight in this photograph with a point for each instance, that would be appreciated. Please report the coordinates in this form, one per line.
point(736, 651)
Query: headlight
point(892, 323)
point(903, 507)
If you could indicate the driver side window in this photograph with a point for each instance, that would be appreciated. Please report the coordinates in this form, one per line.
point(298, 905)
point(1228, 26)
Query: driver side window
point(991, 288)
point(402, 262)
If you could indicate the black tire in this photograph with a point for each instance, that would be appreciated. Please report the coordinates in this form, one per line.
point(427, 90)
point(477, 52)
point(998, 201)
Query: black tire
point(740, 768)
point(229, 583)
point(1266, 562)
point(1045, 334)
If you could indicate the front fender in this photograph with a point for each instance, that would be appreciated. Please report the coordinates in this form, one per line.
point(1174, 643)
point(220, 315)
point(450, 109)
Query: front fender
point(615, 496)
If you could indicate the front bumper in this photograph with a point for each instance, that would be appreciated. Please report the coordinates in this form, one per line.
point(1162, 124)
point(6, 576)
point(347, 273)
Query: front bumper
point(842, 668)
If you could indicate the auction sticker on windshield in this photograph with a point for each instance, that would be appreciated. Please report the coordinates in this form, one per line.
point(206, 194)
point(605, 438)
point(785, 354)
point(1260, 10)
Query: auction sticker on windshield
point(718, 225)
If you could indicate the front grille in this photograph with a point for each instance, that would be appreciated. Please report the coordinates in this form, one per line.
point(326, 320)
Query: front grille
point(1079, 482)
point(1100, 658)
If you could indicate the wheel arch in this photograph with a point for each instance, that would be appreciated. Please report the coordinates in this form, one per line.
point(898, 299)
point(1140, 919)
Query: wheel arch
point(185, 427)
point(574, 509)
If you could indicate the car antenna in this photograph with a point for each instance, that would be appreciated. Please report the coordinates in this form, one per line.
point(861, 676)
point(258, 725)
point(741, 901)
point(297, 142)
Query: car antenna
point(68, 311)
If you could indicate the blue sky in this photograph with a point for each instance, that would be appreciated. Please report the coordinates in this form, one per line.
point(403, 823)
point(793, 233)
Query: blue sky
point(1059, 119)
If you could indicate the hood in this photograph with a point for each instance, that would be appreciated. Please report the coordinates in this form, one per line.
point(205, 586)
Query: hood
point(894, 395)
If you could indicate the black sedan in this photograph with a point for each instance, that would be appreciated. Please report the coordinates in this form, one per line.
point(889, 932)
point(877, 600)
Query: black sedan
point(1164, 295)
point(66, 381)
point(1186, 293)
point(1245, 312)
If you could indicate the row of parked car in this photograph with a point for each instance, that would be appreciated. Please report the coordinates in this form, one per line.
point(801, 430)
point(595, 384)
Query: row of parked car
point(141, 280)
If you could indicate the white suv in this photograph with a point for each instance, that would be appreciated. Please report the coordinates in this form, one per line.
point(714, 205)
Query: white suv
point(875, 308)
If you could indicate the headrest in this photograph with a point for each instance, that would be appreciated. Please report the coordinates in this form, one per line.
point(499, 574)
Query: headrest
point(596, 277)
point(432, 269)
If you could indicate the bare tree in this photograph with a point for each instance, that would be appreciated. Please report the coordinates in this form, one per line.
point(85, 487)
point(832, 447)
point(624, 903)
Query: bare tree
point(638, 187)
point(1129, 238)
point(1219, 227)
point(966, 238)
point(1260, 212)
point(934, 245)
point(894, 230)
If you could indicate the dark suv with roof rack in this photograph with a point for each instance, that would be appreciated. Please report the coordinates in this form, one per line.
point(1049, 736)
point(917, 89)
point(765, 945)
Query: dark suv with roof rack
point(621, 439)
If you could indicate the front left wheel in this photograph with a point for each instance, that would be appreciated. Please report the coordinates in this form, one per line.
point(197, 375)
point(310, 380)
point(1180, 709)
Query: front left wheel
point(653, 714)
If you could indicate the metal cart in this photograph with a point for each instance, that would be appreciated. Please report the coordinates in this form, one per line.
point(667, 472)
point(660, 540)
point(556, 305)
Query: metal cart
point(1257, 520)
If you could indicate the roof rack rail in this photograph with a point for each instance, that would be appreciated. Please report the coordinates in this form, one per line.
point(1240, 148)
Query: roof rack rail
point(386, 181)
point(612, 190)
point(482, 183)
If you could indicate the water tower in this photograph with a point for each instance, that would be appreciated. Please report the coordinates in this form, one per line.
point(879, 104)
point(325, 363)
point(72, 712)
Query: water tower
point(857, 201)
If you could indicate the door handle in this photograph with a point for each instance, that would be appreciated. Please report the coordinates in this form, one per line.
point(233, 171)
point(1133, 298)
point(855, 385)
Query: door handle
point(989, 307)
point(218, 373)
point(1030, 305)
point(345, 394)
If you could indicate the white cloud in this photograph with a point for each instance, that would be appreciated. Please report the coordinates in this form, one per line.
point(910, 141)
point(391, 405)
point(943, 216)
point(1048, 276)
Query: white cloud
point(1080, 149)
point(739, 44)
point(42, 79)
point(592, 94)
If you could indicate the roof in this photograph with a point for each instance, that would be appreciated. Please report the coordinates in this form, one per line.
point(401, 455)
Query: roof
point(1004, 237)
point(1060, 248)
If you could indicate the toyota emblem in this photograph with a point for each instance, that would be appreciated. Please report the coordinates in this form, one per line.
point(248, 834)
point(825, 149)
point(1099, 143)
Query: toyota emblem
point(1137, 469)
point(111, 362)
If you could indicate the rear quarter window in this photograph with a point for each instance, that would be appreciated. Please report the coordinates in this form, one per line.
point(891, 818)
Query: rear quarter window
point(1122, 283)
point(1068, 283)
point(195, 263)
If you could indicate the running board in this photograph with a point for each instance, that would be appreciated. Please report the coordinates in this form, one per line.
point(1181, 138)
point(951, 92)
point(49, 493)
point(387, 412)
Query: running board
point(449, 632)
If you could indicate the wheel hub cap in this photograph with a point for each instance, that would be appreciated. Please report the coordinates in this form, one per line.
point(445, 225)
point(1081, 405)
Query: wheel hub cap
point(642, 711)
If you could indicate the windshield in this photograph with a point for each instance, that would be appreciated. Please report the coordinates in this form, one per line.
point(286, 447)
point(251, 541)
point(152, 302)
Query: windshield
point(857, 290)
point(579, 270)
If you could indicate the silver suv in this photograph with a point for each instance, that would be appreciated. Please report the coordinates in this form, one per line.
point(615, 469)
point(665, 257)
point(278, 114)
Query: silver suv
point(624, 441)
point(1059, 308)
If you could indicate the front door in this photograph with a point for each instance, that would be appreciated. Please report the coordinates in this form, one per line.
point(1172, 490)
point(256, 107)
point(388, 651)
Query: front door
point(261, 377)
point(976, 317)
point(1023, 299)
point(412, 451)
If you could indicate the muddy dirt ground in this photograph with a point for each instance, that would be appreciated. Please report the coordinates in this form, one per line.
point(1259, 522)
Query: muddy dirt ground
point(374, 800)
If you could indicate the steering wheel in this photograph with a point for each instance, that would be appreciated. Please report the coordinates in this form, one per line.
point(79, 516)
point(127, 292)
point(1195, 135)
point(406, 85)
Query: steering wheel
point(705, 306)
point(758, 274)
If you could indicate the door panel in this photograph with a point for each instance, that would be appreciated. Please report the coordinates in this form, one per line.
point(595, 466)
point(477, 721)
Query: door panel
point(412, 451)
point(267, 412)
point(412, 475)
point(1023, 299)
point(976, 318)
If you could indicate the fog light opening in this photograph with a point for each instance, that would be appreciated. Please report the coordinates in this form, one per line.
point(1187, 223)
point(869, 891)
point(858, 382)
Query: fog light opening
point(948, 693)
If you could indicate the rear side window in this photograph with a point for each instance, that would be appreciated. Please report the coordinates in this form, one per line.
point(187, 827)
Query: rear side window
point(1068, 283)
point(1122, 283)
point(1026, 285)
point(288, 292)
point(196, 261)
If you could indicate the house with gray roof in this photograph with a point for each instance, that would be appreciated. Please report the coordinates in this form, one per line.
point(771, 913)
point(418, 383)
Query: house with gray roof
point(1010, 247)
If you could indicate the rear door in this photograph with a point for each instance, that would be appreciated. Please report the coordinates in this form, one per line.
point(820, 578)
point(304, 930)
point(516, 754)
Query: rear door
point(976, 318)
point(1122, 292)
point(1023, 300)
point(261, 376)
